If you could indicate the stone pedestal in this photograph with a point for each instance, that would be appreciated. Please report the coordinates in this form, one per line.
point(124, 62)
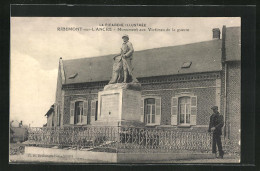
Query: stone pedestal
point(119, 105)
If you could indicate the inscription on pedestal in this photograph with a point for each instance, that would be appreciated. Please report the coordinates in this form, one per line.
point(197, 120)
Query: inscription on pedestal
point(109, 105)
point(119, 107)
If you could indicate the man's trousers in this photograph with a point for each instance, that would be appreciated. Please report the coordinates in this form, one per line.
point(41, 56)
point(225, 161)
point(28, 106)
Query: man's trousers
point(217, 141)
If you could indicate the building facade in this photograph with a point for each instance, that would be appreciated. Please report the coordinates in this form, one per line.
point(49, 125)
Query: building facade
point(180, 84)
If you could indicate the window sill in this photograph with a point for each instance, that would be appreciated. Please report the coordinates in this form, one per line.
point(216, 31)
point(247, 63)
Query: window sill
point(151, 125)
point(184, 126)
point(79, 124)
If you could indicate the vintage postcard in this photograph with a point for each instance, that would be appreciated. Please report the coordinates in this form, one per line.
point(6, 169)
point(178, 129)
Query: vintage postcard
point(125, 89)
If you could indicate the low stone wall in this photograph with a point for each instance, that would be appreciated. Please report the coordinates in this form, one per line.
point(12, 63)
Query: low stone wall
point(157, 157)
point(73, 154)
point(70, 155)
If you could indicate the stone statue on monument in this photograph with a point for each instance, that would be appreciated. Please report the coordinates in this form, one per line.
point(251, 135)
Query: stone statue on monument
point(122, 67)
point(120, 101)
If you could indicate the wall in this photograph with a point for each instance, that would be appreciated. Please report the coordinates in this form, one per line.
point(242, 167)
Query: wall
point(49, 120)
point(58, 98)
point(73, 94)
point(233, 100)
point(201, 85)
point(204, 90)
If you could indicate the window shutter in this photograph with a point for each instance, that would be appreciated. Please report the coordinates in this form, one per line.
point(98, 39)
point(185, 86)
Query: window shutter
point(142, 111)
point(174, 111)
point(93, 111)
point(85, 112)
point(193, 116)
point(72, 112)
point(157, 111)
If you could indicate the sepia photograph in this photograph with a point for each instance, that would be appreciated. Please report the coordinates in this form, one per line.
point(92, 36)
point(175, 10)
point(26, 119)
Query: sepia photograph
point(125, 90)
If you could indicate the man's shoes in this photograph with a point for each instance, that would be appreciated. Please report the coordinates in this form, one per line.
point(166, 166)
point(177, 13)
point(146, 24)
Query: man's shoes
point(220, 157)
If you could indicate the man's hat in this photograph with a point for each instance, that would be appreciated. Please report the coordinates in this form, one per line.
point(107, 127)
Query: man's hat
point(125, 35)
point(214, 107)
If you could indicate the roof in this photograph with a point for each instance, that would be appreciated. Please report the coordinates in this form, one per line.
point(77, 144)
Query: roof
point(50, 110)
point(233, 44)
point(204, 56)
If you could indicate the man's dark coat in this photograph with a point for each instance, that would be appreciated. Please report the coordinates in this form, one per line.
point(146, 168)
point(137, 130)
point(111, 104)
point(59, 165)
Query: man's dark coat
point(216, 120)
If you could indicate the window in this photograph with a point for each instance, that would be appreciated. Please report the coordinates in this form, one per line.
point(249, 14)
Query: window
point(73, 76)
point(78, 112)
point(186, 65)
point(184, 110)
point(149, 111)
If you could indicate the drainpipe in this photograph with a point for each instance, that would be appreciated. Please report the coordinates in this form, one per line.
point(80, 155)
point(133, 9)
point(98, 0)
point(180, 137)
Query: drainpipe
point(225, 78)
point(225, 101)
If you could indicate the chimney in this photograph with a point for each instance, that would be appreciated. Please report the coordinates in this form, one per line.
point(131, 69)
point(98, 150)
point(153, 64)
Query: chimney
point(216, 33)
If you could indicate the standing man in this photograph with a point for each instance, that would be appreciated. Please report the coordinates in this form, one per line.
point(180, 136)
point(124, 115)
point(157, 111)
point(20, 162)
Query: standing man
point(127, 51)
point(215, 126)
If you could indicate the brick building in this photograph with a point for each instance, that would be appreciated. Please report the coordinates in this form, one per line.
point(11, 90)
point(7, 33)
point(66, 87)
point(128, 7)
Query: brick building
point(179, 85)
point(50, 118)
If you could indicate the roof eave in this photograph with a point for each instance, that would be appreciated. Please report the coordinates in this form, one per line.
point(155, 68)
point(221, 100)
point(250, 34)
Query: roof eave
point(212, 71)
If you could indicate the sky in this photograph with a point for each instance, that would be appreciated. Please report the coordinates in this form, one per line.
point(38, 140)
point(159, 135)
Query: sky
point(37, 45)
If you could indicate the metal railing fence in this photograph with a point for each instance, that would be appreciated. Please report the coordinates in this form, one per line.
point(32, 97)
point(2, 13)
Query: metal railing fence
point(121, 139)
